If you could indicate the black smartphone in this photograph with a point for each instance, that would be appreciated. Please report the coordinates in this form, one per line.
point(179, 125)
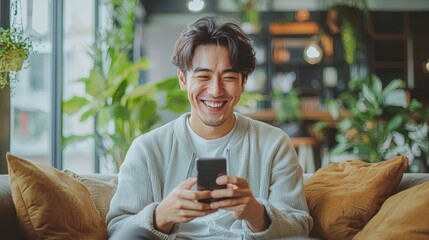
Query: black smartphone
point(208, 170)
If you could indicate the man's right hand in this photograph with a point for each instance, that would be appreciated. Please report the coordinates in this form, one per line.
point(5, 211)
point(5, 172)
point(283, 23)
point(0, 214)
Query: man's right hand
point(181, 206)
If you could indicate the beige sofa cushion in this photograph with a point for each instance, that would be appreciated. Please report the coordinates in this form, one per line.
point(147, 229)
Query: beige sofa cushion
point(101, 191)
point(52, 205)
point(404, 215)
point(343, 197)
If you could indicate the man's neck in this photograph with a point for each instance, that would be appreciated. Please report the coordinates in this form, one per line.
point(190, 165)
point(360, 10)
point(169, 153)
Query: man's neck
point(211, 132)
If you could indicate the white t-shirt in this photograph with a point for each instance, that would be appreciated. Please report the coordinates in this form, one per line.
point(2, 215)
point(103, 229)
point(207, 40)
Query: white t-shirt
point(209, 148)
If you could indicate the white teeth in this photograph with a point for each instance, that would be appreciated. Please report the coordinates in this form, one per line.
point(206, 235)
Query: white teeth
point(213, 104)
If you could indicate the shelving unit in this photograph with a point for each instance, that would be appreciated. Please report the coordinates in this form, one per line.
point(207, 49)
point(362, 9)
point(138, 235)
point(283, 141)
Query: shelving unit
point(283, 61)
point(397, 46)
point(418, 52)
point(389, 37)
point(400, 44)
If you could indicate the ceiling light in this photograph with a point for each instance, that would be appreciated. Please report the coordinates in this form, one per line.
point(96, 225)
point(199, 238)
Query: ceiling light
point(313, 53)
point(302, 15)
point(196, 5)
point(426, 66)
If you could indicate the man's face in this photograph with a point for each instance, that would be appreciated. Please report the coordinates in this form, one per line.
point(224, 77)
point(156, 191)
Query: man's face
point(214, 88)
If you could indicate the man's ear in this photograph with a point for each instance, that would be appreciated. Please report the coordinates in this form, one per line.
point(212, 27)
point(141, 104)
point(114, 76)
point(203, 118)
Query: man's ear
point(182, 79)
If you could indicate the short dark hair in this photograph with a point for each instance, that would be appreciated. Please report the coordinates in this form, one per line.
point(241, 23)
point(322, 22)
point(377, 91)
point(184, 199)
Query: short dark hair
point(210, 30)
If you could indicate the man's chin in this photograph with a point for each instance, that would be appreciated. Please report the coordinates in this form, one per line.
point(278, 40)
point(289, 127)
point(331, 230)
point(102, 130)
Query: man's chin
point(212, 122)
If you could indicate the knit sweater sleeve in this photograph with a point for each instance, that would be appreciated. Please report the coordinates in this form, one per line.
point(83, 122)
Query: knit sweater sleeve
point(133, 202)
point(285, 203)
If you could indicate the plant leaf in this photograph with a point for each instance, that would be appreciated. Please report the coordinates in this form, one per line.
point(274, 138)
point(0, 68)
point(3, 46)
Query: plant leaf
point(369, 96)
point(75, 104)
point(393, 85)
point(395, 122)
point(74, 139)
point(177, 101)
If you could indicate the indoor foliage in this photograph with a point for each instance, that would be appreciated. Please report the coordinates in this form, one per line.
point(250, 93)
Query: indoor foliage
point(376, 128)
point(250, 16)
point(123, 108)
point(15, 48)
point(345, 17)
point(288, 112)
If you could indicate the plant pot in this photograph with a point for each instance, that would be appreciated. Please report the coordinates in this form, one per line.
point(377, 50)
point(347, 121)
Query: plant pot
point(12, 60)
point(293, 129)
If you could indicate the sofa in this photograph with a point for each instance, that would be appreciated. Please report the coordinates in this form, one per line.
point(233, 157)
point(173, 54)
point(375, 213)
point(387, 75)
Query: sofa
point(10, 228)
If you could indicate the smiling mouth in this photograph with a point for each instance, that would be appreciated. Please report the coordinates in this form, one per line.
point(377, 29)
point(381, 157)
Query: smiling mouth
point(213, 104)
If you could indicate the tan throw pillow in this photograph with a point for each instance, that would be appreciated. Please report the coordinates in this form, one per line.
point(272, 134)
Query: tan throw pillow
point(404, 215)
point(51, 205)
point(101, 191)
point(343, 197)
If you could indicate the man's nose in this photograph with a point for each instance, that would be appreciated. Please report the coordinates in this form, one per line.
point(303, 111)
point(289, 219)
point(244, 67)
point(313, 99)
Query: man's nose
point(215, 88)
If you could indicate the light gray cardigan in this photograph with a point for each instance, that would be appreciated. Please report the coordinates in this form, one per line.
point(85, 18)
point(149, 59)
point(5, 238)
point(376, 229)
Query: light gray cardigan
point(160, 160)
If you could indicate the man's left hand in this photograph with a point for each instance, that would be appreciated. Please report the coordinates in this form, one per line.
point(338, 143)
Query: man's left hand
point(240, 200)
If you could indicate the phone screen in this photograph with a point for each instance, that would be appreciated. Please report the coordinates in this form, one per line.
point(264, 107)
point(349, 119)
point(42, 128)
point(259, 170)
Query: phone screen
point(208, 170)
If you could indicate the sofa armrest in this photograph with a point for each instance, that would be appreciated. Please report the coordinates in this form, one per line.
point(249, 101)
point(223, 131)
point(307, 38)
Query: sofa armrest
point(412, 179)
point(9, 227)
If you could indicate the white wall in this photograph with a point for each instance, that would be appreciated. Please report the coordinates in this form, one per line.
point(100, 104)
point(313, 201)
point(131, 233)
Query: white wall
point(287, 5)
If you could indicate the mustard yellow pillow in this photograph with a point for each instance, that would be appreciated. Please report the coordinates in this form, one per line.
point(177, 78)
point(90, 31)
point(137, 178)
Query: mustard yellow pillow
point(343, 197)
point(51, 205)
point(404, 215)
point(101, 191)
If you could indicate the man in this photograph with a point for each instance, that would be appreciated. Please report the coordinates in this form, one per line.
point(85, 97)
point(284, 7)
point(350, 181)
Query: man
point(156, 195)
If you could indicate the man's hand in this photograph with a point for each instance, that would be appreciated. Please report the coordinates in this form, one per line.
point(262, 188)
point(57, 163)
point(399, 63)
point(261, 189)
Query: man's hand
point(241, 202)
point(180, 206)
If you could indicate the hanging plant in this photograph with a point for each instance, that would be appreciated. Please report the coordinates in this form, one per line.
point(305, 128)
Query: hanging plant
point(15, 47)
point(345, 19)
point(14, 50)
point(250, 16)
point(349, 39)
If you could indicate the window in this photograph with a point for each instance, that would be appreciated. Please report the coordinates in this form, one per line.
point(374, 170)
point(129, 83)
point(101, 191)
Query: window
point(79, 34)
point(31, 99)
point(62, 38)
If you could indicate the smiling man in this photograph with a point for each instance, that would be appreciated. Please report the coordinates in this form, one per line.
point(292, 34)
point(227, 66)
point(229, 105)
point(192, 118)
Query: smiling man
point(156, 196)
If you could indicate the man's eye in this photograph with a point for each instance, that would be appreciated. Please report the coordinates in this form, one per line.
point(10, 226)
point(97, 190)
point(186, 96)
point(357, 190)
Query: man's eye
point(229, 78)
point(203, 77)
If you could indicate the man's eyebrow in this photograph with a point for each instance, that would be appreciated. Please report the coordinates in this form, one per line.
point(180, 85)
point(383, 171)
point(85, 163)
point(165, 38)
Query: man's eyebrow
point(229, 70)
point(200, 69)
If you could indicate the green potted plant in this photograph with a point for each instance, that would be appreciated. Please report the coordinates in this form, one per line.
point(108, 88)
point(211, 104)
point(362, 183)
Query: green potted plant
point(15, 48)
point(288, 111)
point(374, 127)
point(250, 17)
point(121, 106)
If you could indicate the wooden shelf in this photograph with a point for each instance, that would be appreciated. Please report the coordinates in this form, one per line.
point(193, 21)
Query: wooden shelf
point(266, 115)
point(294, 28)
point(269, 115)
point(309, 141)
